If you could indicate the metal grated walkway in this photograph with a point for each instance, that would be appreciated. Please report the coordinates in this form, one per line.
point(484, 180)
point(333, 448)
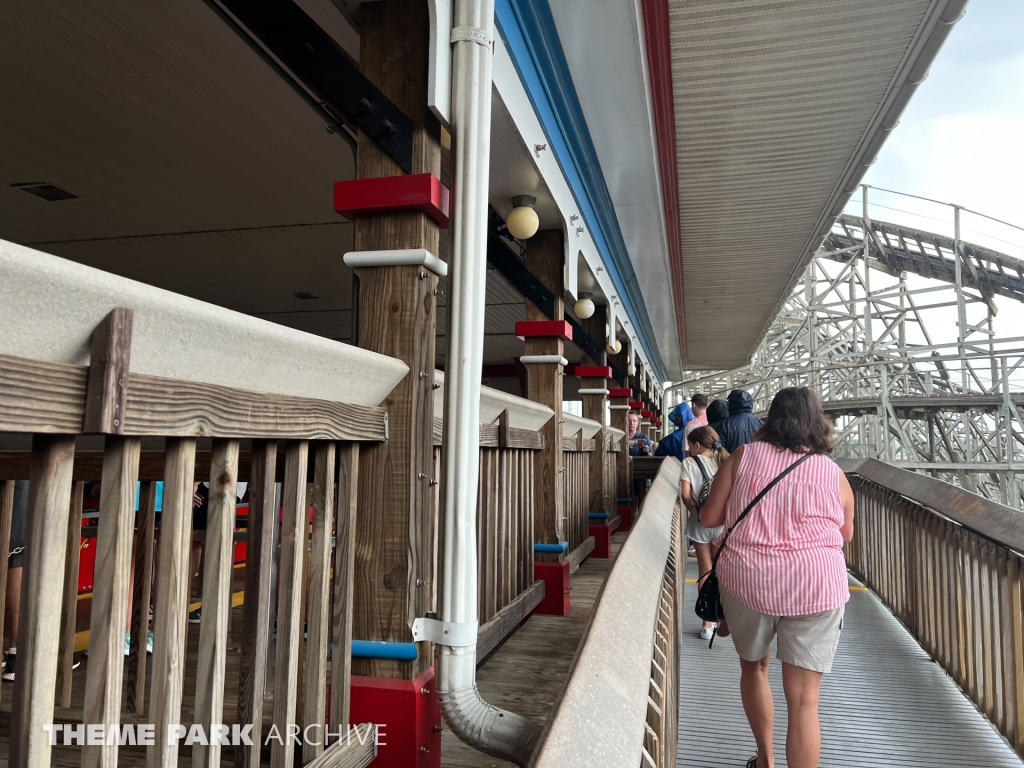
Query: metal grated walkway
point(886, 703)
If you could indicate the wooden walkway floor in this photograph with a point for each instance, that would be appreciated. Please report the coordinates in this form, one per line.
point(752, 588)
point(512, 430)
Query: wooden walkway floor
point(885, 703)
point(526, 674)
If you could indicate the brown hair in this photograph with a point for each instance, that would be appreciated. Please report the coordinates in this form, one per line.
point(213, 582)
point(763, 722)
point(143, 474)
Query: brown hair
point(699, 400)
point(707, 438)
point(797, 422)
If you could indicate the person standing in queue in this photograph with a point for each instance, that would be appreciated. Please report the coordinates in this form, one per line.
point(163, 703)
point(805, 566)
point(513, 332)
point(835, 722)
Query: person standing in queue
point(639, 443)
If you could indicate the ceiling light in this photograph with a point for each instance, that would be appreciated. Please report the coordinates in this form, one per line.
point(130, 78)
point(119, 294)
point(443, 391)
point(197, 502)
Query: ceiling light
point(585, 306)
point(614, 348)
point(523, 222)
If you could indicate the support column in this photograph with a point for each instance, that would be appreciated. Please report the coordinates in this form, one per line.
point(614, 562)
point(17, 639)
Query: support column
point(544, 257)
point(594, 376)
point(619, 398)
point(396, 316)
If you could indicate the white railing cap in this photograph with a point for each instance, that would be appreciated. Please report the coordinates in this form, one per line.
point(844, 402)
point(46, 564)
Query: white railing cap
point(571, 424)
point(49, 307)
point(522, 413)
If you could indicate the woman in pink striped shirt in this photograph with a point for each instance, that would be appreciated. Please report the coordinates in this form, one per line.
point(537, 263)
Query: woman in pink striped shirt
point(782, 572)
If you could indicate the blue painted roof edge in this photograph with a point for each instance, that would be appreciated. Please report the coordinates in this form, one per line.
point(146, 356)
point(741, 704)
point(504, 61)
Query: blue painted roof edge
point(529, 33)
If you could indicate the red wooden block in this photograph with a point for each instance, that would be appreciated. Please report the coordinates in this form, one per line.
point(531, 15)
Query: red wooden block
point(549, 329)
point(391, 194)
point(556, 587)
point(626, 513)
point(646, 413)
point(636, 405)
point(593, 371)
point(602, 533)
point(408, 717)
point(620, 392)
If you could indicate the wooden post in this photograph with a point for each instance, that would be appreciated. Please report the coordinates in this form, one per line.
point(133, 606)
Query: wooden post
point(620, 420)
point(397, 317)
point(141, 595)
point(110, 594)
point(171, 615)
point(318, 600)
point(252, 666)
point(106, 386)
point(217, 571)
point(595, 407)
point(49, 503)
point(6, 517)
point(344, 576)
point(544, 258)
point(69, 613)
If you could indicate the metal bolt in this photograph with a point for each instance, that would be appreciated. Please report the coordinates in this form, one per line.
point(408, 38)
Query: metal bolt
point(367, 106)
point(424, 750)
point(423, 374)
point(439, 291)
point(573, 218)
point(390, 128)
point(420, 582)
point(579, 230)
point(538, 148)
point(424, 691)
point(437, 729)
point(330, 128)
point(424, 275)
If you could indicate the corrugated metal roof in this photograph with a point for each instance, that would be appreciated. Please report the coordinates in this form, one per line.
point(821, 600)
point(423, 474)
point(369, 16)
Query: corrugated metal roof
point(778, 107)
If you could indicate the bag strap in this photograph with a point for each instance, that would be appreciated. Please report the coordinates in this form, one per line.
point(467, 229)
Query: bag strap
point(756, 499)
point(700, 466)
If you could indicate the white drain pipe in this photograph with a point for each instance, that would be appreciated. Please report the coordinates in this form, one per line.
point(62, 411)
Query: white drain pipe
point(481, 725)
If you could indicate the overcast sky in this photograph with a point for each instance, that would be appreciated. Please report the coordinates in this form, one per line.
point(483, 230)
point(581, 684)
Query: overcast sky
point(961, 139)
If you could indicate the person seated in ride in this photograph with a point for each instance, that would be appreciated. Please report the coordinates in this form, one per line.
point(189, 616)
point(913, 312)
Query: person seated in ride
point(781, 570)
point(639, 443)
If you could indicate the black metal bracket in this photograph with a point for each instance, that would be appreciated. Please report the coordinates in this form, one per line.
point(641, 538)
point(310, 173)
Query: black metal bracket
point(512, 268)
point(313, 58)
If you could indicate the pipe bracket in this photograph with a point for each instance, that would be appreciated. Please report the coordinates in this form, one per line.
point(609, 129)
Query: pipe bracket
point(450, 633)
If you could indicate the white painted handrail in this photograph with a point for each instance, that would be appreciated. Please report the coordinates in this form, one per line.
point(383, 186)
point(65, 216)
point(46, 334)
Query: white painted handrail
point(600, 721)
point(522, 413)
point(572, 424)
point(49, 307)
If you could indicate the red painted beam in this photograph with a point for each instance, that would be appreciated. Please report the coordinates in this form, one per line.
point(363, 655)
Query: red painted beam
point(636, 405)
point(646, 413)
point(550, 329)
point(659, 68)
point(593, 371)
point(620, 392)
point(391, 194)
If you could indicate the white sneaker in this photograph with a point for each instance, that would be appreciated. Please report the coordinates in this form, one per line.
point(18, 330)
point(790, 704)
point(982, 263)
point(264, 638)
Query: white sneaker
point(706, 633)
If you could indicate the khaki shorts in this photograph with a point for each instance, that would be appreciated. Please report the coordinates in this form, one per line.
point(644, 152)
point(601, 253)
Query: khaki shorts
point(809, 642)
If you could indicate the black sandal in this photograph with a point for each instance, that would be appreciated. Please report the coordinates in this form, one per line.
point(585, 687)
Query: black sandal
point(752, 762)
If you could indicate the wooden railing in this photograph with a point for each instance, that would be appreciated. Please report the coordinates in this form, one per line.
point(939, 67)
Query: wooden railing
point(623, 712)
point(948, 563)
point(577, 446)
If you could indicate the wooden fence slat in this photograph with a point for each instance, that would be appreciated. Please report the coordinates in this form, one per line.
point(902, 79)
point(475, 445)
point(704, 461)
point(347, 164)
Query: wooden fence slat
point(217, 572)
point(171, 614)
point(6, 516)
point(142, 590)
point(259, 556)
point(69, 610)
point(344, 577)
point(49, 503)
point(110, 595)
point(317, 619)
point(289, 600)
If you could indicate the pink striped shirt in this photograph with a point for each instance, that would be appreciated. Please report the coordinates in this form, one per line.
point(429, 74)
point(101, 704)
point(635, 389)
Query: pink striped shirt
point(786, 557)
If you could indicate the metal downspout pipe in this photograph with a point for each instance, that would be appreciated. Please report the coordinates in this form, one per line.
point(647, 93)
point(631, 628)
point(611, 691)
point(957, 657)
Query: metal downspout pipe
point(481, 725)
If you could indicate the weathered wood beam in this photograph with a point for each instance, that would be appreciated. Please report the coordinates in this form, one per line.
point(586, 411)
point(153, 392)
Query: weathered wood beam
point(41, 397)
point(397, 317)
point(106, 386)
point(544, 258)
point(493, 632)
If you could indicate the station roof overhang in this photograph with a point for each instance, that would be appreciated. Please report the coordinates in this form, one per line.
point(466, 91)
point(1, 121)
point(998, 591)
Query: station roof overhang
point(752, 123)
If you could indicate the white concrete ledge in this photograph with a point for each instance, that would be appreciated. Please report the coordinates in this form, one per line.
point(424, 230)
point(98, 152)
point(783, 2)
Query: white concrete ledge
point(522, 413)
point(572, 424)
point(49, 307)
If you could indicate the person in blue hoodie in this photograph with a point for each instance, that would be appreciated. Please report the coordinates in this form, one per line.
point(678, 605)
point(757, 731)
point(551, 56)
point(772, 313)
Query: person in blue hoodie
point(674, 444)
point(741, 425)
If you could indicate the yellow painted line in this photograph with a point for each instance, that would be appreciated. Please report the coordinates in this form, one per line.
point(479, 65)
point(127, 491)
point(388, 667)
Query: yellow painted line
point(82, 638)
point(856, 588)
point(691, 581)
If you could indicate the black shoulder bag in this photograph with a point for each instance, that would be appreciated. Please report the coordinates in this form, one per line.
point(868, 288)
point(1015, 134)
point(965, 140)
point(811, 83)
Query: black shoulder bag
point(709, 603)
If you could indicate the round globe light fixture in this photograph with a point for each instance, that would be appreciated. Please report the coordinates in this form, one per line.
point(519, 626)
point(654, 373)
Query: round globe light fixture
point(614, 349)
point(523, 222)
point(585, 306)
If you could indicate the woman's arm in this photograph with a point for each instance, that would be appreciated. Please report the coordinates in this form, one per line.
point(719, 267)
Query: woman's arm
point(684, 493)
point(712, 514)
point(846, 494)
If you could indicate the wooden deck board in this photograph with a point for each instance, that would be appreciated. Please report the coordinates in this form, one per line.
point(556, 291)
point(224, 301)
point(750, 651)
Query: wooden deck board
point(526, 674)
